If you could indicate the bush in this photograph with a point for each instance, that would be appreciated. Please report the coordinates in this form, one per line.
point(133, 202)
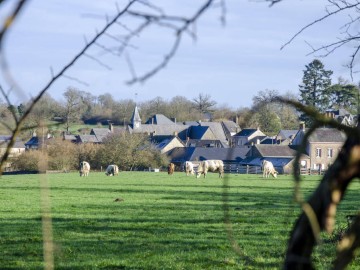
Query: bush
point(62, 155)
point(32, 160)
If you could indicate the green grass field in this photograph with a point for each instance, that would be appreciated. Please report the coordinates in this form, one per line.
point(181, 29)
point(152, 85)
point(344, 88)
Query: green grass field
point(160, 221)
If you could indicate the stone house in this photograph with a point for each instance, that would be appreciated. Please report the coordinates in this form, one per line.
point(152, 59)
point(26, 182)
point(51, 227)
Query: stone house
point(281, 156)
point(322, 147)
point(17, 149)
point(247, 137)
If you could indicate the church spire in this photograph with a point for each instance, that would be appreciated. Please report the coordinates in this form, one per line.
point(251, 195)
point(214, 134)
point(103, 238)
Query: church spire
point(135, 118)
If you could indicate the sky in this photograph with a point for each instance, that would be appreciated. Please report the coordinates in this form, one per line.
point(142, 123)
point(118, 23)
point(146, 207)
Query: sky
point(231, 62)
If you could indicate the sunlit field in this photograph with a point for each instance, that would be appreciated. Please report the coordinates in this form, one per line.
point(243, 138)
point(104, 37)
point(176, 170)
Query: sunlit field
point(147, 220)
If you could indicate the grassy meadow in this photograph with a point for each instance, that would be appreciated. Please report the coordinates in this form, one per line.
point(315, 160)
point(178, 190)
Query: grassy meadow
point(146, 220)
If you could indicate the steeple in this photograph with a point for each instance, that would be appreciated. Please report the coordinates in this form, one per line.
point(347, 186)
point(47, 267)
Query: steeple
point(135, 118)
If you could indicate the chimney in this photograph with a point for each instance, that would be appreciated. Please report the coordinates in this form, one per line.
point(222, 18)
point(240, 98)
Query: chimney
point(302, 126)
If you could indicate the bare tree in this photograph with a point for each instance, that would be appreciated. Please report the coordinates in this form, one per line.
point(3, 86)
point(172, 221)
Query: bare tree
point(203, 103)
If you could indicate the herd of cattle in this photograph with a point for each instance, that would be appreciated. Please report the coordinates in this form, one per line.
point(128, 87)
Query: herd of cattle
point(203, 168)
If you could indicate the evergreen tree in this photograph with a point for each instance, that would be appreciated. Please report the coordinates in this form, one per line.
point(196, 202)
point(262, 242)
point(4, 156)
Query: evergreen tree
point(315, 85)
point(344, 95)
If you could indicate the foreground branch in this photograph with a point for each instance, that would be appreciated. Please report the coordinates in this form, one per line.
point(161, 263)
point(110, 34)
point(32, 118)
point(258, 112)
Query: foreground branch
point(323, 203)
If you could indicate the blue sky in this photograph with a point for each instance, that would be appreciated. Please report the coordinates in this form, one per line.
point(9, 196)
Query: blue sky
point(230, 62)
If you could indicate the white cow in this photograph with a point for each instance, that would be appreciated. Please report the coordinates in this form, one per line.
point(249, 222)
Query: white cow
point(212, 166)
point(84, 168)
point(268, 168)
point(189, 168)
point(112, 170)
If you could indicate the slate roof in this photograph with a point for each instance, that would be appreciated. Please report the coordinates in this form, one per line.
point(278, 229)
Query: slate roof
point(180, 130)
point(327, 135)
point(198, 132)
point(4, 140)
point(191, 123)
point(99, 133)
point(182, 154)
point(231, 126)
point(288, 133)
point(277, 162)
point(70, 137)
point(246, 132)
point(267, 150)
point(159, 119)
point(88, 139)
point(206, 143)
point(216, 128)
point(135, 116)
point(34, 141)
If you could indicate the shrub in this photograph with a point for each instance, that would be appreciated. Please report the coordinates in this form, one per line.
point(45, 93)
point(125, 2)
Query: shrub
point(32, 160)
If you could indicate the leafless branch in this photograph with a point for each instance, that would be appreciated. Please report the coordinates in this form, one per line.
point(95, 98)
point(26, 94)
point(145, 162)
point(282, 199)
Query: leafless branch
point(329, 14)
point(320, 210)
point(57, 76)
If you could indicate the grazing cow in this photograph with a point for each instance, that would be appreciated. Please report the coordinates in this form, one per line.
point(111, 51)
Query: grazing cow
point(189, 168)
point(112, 170)
point(171, 168)
point(268, 168)
point(212, 166)
point(84, 168)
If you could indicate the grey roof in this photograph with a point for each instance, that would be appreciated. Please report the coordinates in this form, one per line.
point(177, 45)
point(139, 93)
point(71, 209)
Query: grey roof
point(4, 140)
point(198, 132)
point(179, 130)
point(159, 119)
point(216, 128)
point(277, 162)
point(191, 123)
point(5, 137)
point(327, 135)
point(182, 154)
point(135, 116)
point(161, 144)
point(267, 150)
point(99, 133)
point(288, 133)
point(231, 126)
point(70, 137)
point(88, 139)
point(246, 132)
point(206, 143)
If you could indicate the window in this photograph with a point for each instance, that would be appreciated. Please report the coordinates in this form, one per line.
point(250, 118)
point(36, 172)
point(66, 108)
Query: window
point(318, 152)
point(330, 152)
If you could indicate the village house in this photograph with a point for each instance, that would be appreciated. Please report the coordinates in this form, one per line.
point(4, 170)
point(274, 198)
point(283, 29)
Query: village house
point(322, 146)
point(281, 156)
point(17, 149)
point(247, 137)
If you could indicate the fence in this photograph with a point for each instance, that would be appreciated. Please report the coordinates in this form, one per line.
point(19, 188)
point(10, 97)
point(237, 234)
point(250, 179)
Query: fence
point(312, 172)
point(241, 169)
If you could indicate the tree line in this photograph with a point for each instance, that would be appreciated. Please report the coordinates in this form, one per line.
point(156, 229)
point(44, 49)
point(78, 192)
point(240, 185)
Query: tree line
point(81, 107)
point(128, 151)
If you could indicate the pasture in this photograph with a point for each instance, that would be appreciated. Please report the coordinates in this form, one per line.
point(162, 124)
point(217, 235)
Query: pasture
point(146, 220)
